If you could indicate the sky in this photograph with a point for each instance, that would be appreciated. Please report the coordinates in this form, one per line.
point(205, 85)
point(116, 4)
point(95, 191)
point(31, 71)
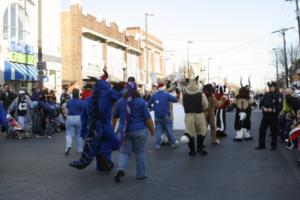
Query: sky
point(236, 34)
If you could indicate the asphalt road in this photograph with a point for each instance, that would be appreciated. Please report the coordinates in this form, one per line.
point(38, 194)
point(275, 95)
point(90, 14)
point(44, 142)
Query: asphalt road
point(37, 169)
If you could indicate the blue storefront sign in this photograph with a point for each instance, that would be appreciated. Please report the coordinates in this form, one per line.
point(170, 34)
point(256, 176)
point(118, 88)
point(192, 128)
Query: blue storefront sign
point(21, 48)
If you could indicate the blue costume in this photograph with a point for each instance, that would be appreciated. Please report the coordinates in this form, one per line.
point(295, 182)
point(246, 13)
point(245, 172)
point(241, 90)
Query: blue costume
point(3, 121)
point(97, 130)
point(163, 122)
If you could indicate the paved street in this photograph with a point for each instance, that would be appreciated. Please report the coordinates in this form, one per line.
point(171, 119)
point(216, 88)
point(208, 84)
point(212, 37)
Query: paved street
point(37, 169)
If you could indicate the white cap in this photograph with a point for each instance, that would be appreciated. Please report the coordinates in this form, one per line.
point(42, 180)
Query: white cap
point(22, 92)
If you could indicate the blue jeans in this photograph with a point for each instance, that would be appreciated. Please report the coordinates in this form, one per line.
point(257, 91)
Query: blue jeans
point(164, 125)
point(23, 121)
point(134, 142)
point(51, 127)
point(73, 128)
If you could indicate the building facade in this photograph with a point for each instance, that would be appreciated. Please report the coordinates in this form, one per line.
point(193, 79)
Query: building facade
point(19, 43)
point(89, 45)
point(155, 55)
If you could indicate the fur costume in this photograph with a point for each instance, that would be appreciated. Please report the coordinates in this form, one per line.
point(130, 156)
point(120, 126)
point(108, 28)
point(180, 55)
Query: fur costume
point(97, 130)
point(210, 115)
point(221, 111)
point(195, 103)
point(242, 123)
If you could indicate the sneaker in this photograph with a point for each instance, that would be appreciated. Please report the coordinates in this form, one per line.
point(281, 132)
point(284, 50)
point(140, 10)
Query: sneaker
point(237, 139)
point(259, 148)
point(202, 152)
point(157, 147)
point(67, 151)
point(141, 178)
point(49, 137)
point(273, 149)
point(216, 142)
point(119, 175)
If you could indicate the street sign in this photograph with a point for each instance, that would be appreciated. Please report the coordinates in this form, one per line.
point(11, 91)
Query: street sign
point(41, 65)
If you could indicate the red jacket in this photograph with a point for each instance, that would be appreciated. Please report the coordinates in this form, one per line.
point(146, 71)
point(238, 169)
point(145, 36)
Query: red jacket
point(85, 94)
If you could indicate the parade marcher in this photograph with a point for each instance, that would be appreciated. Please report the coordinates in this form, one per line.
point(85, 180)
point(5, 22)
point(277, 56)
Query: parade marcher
point(20, 109)
point(7, 96)
point(135, 118)
point(270, 104)
point(64, 96)
point(73, 124)
point(163, 122)
point(194, 104)
point(243, 104)
point(210, 115)
point(97, 130)
point(221, 111)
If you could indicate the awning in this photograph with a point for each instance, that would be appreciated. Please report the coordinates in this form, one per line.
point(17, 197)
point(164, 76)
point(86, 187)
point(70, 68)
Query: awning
point(19, 72)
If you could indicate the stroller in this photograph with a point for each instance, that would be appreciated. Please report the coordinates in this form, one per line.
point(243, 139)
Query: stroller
point(15, 129)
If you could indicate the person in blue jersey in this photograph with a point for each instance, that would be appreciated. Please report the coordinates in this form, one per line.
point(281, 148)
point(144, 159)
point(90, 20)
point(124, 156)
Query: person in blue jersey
point(3, 121)
point(50, 110)
point(132, 110)
point(73, 124)
point(163, 122)
point(97, 130)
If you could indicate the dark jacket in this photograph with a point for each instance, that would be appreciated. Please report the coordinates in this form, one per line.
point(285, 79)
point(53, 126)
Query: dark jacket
point(7, 98)
point(271, 100)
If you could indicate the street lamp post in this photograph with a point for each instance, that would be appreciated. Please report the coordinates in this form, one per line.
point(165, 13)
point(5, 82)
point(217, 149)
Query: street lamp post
point(208, 69)
point(146, 45)
point(188, 58)
point(276, 55)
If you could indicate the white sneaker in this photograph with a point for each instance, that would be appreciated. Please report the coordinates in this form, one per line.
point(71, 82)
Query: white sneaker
point(67, 151)
point(49, 137)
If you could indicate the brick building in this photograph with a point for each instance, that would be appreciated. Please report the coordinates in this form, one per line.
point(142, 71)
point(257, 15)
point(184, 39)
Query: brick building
point(90, 44)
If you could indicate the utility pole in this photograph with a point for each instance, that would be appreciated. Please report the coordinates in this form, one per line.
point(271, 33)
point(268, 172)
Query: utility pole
point(298, 16)
point(40, 65)
point(282, 31)
point(276, 54)
point(292, 65)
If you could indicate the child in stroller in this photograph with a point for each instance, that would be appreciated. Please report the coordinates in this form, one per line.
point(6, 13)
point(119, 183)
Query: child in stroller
point(15, 129)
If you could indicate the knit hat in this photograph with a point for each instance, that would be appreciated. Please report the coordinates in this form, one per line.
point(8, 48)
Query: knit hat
point(161, 87)
point(22, 92)
point(131, 87)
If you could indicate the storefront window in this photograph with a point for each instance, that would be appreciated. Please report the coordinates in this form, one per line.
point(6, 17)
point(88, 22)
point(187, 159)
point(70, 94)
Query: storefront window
point(14, 24)
point(13, 28)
